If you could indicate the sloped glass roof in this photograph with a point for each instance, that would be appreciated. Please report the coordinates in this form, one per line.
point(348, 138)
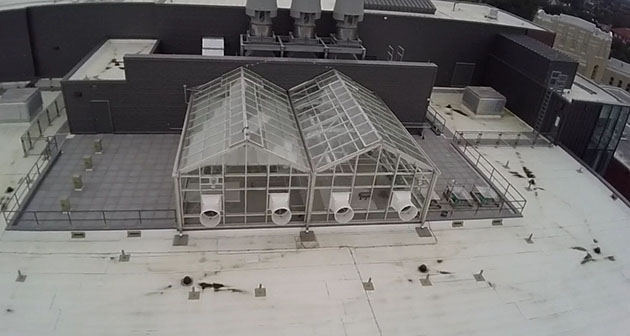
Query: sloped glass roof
point(339, 118)
point(236, 108)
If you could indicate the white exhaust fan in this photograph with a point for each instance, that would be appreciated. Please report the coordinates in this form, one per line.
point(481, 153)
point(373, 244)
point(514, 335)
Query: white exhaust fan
point(211, 206)
point(340, 206)
point(279, 207)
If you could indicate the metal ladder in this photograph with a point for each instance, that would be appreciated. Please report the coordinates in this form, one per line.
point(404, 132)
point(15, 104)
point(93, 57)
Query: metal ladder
point(557, 82)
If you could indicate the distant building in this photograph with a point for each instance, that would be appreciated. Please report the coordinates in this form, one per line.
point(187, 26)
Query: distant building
point(617, 74)
point(581, 40)
point(622, 34)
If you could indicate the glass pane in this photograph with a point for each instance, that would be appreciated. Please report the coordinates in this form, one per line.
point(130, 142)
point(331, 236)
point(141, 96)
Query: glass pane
point(599, 127)
point(619, 127)
point(218, 120)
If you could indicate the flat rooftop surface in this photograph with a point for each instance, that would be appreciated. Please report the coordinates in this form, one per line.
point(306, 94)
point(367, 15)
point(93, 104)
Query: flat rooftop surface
point(107, 63)
point(465, 120)
point(78, 287)
point(454, 167)
point(547, 286)
point(14, 165)
point(444, 9)
point(619, 66)
point(130, 179)
point(130, 186)
point(584, 89)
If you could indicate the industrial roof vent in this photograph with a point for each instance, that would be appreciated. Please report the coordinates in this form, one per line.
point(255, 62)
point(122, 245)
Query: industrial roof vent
point(260, 40)
point(260, 13)
point(348, 14)
point(493, 14)
point(305, 13)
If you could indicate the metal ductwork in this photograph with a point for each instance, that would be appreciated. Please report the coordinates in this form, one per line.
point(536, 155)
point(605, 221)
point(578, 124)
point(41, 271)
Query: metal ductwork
point(211, 206)
point(260, 13)
point(348, 14)
point(305, 13)
point(279, 208)
point(340, 206)
point(401, 202)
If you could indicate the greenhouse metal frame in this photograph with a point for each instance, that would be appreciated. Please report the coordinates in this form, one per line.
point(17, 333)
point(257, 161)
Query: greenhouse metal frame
point(326, 152)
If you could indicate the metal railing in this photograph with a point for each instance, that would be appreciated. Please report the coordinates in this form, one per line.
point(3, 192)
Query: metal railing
point(94, 220)
point(472, 207)
point(35, 133)
point(500, 138)
point(11, 205)
point(438, 123)
point(511, 196)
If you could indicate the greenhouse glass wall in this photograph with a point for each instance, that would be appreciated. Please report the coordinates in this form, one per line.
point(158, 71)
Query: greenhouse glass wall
point(327, 152)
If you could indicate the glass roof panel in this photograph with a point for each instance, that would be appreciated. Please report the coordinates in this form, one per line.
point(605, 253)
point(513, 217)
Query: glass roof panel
point(389, 128)
point(340, 118)
point(326, 113)
point(239, 107)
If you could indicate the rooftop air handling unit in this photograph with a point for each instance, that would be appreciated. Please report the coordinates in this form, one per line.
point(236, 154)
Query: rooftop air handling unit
point(260, 13)
point(302, 41)
point(348, 14)
point(304, 14)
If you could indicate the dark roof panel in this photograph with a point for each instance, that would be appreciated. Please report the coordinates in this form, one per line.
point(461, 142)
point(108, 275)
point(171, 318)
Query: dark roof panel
point(413, 6)
point(538, 47)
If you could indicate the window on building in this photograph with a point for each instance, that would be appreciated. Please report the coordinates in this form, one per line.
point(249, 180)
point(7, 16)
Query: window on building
point(595, 70)
point(620, 83)
point(611, 81)
point(606, 135)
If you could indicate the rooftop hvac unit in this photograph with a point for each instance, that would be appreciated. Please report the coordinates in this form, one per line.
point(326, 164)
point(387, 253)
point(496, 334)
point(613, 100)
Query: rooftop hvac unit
point(305, 13)
point(484, 101)
point(493, 14)
point(20, 105)
point(348, 14)
point(260, 13)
